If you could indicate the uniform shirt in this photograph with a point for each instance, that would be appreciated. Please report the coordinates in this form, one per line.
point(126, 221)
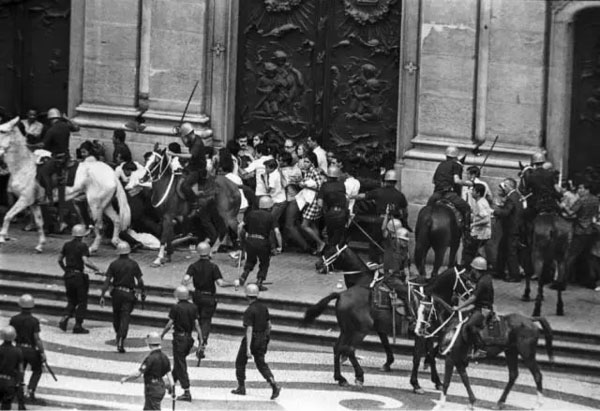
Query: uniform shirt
point(257, 317)
point(155, 366)
point(74, 251)
point(443, 178)
point(198, 152)
point(333, 194)
point(122, 272)
point(204, 273)
point(388, 195)
point(26, 325)
point(484, 292)
point(57, 138)
point(10, 358)
point(259, 222)
point(183, 314)
point(543, 195)
point(585, 210)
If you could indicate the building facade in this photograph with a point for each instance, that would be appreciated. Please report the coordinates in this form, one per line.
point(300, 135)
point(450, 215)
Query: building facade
point(387, 79)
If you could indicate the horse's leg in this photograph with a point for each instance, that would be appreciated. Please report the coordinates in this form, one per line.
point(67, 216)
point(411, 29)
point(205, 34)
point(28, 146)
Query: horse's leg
point(512, 361)
point(418, 350)
point(114, 217)
point(538, 259)
point(96, 214)
point(440, 253)
point(462, 371)
point(430, 354)
point(560, 310)
point(453, 251)
point(17, 207)
point(337, 373)
point(526, 294)
point(165, 239)
point(39, 222)
point(539, 298)
point(359, 373)
point(531, 363)
point(447, 379)
point(389, 355)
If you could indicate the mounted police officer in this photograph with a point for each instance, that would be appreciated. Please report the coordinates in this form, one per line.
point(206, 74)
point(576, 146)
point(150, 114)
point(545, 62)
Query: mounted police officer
point(258, 225)
point(332, 197)
point(72, 259)
point(448, 183)
point(183, 317)
point(28, 339)
point(205, 275)
point(123, 273)
point(483, 300)
point(257, 324)
point(541, 182)
point(154, 368)
point(11, 367)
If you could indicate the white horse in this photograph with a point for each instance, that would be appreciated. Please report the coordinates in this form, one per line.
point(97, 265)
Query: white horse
point(96, 180)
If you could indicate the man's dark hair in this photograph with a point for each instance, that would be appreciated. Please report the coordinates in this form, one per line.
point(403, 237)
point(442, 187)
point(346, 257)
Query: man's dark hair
point(587, 184)
point(474, 170)
point(272, 164)
point(119, 135)
point(262, 149)
point(312, 157)
point(129, 166)
point(233, 147)
point(479, 189)
point(226, 161)
point(315, 139)
point(285, 159)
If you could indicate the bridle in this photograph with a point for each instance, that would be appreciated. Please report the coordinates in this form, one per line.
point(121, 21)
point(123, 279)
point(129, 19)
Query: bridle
point(161, 172)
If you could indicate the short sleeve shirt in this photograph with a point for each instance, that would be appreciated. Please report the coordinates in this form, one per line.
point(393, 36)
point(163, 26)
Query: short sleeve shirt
point(74, 251)
point(184, 315)
point(156, 365)
point(257, 317)
point(204, 273)
point(26, 326)
point(259, 222)
point(484, 292)
point(443, 178)
point(57, 138)
point(123, 271)
point(388, 195)
point(10, 358)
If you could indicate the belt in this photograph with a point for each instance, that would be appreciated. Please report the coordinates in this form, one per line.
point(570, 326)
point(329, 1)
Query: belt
point(259, 236)
point(182, 333)
point(6, 377)
point(25, 345)
point(336, 208)
point(156, 380)
point(206, 293)
point(126, 289)
point(260, 333)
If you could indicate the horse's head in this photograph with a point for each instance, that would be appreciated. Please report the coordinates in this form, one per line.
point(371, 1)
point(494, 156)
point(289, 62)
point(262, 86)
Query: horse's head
point(157, 164)
point(425, 311)
point(9, 132)
point(524, 172)
point(347, 260)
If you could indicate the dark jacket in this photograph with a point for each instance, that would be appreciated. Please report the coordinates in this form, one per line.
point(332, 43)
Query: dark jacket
point(511, 213)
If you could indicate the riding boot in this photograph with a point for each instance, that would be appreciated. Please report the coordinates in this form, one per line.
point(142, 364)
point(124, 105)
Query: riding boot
point(186, 396)
point(62, 324)
point(240, 390)
point(478, 347)
point(260, 285)
point(276, 388)
point(243, 277)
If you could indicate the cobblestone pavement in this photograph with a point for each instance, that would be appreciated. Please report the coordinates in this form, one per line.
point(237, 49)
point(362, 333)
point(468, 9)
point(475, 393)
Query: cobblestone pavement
point(293, 278)
point(88, 369)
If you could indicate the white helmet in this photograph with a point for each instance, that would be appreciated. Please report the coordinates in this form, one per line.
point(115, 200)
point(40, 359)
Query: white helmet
point(452, 152)
point(390, 175)
point(265, 202)
point(53, 113)
point(479, 263)
point(185, 129)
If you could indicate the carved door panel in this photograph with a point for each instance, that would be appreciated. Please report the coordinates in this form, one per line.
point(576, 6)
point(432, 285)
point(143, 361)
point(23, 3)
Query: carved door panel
point(327, 68)
point(584, 143)
point(36, 37)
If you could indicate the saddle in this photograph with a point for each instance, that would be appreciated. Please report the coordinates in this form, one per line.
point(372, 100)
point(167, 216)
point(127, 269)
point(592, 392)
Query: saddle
point(495, 330)
point(449, 204)
point(385, 298)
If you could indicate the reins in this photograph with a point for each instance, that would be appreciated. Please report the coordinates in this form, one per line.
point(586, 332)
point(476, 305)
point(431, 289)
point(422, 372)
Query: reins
point(161, 172)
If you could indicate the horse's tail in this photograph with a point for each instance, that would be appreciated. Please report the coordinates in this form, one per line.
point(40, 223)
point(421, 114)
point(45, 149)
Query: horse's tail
point(547, 334)
point(124, 210)
point(316, 310)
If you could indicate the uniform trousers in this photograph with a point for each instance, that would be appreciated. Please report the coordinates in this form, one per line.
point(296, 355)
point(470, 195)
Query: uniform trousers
point(77, 286)
point(206, 305)
point(257, 249)
point(8, 389)
point(154, 392)
point(182, 345)
point(335, 224)
point(122, 305)
point(474, 325)
point(258, 349)
point(32, 357)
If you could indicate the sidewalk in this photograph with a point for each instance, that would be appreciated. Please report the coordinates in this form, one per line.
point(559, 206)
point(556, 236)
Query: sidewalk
point(293, 278)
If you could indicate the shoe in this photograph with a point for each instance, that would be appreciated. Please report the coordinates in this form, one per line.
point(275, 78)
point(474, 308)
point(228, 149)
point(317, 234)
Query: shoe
point(121, 348)
point(276, 391)
point(34, 400)
point(62, 324)
point(186, 396)
point(239, 391)
point(80, 330)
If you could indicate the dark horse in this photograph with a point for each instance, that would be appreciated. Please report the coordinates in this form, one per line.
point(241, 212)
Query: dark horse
point(356, 316)
point(550, 237)
point(437, 228)
point(171, 204)
point(521, 339)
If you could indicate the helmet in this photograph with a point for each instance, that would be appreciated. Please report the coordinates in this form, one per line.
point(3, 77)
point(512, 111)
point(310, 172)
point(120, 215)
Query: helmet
point(182, 293)
point(79, 230)
point(479, 263)
point(402, 234)
point(265, 202)
point(252, 290)
point(185, 129)
point(203, 248)
point(538, 158)
point(390, 175)
point(153, 338)
point(334, 172)
point(53, 113)
point(123, 248)
point(9, 333)
point(452, 152)
point(26, 301)
point(393, 225)
point(270, 67)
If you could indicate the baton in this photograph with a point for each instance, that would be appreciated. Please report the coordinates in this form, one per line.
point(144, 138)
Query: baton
point(174, 400)
point(50, 370)
point(367, 235)
point(488, 153)
point(188, 103)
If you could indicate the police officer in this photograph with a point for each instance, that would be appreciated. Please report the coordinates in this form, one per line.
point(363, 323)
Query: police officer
point(542, 183)
point(183, 317)
point(154, 368)
point(123, 273)
point(28, 339)
point(483, 300)
point(258, 225)
point(196, 167)
point(448, 182)
point(332, 198)
point(72, 259)
point(11, 367)
point(388, 200)
point(257, 324)
point(205, 275)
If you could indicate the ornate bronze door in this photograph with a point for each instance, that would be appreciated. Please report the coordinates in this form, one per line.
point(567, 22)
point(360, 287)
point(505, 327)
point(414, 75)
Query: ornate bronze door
point(320, 67)
point(584, 143)
point(34, 50)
